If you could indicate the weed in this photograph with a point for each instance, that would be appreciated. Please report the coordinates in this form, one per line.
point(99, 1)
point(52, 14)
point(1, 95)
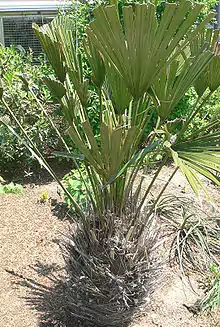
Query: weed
point(212, 284)
point(11, 188)
point(44, 197)
point(77, 187)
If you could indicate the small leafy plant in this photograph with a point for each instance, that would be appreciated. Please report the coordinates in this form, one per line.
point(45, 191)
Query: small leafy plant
point(44, 197)
point(76, 187)
point(212, 298)
point(23, 103)
point(11, 188)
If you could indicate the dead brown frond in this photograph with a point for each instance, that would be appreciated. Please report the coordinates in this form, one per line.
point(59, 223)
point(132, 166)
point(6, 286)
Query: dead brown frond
point(109, 276)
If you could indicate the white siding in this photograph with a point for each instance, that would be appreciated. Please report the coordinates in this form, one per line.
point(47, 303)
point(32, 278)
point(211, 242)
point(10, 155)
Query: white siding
point(31, 6)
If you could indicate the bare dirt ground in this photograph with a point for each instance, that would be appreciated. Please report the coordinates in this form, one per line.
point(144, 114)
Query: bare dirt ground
point(168, 307)
point(29, 253)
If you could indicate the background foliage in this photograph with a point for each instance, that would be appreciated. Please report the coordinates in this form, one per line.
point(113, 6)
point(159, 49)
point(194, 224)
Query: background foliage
point(12, 63)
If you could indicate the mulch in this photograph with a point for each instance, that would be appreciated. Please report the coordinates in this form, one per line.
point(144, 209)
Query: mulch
point(29, 253)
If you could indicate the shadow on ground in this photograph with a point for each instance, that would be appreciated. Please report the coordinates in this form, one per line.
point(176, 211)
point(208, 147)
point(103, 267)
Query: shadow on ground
point(36, 175)
point(61, 211)
point(50, 299)
point(106, 278)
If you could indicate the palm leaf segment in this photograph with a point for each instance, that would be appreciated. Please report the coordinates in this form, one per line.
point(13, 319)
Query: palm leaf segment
point(199, 155)
point(57, 40)
point(96, 63)
point(119, 93)
point(210, 77)
point(141, 47)
point(173, 83)
point(213, 75)
point(47, 36)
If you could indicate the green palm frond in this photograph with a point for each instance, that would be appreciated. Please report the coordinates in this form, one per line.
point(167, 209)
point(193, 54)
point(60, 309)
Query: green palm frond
point(199, 156)
point(210, 77)
point(118, 91)
point(142, 39)
point(173, 83)
point(96, 63)
point(55, 86)
point(113, 152)
point(57, 39)
point(73, 61)
point(50, 45)
point(70, 105)
point(213, 75)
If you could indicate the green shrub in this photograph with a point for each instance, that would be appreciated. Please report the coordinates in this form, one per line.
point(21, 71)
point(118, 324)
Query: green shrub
point(13, 63)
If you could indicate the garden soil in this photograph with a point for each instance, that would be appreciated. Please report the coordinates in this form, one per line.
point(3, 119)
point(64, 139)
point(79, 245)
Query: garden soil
point(29, 253)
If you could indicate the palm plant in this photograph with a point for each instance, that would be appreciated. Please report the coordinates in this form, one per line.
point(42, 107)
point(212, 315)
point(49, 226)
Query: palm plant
point(139, 67)
point(126, 89)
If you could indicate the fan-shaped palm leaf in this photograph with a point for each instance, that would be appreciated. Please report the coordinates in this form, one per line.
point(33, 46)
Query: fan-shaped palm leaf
point(57, 40)
point(210, 77)
point(173, 83)
point(199, 155)
point(96, 63)
point(51, 47)
point(118, 91)
point(141, 47)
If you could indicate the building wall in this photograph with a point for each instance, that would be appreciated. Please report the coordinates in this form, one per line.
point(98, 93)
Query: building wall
point(18, 31)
